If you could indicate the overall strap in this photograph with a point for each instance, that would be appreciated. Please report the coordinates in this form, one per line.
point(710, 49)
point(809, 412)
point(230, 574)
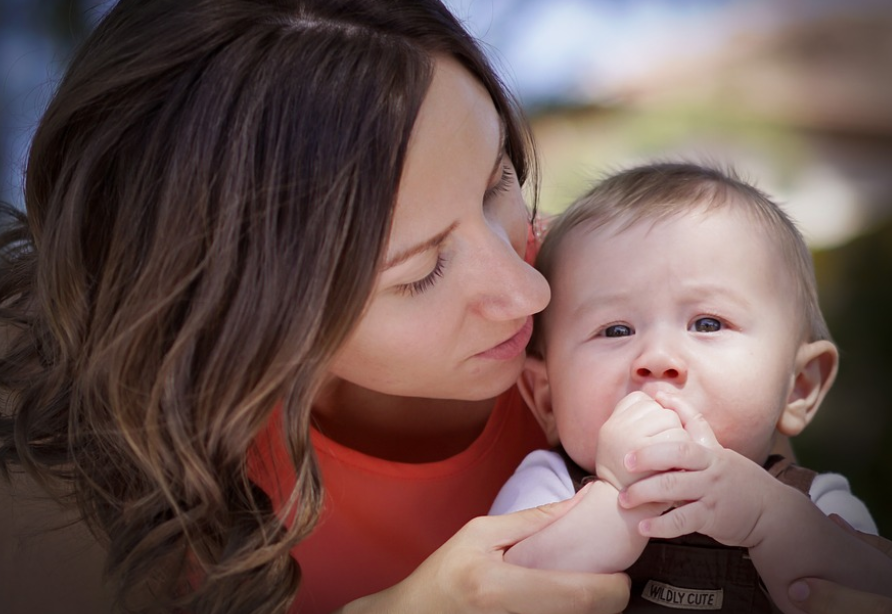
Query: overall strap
point(790, 474)
point(579, 476)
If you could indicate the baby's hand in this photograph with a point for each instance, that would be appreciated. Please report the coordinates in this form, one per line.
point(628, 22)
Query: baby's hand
point(637, 421)
point(723, 494)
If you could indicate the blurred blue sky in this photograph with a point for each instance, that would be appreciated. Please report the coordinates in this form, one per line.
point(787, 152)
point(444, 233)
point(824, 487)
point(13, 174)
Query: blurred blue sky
point(33, 49)
point(554, 50)
point(549, 51)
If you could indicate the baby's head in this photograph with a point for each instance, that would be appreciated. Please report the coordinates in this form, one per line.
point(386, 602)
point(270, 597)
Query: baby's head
point(685, 279)
point(656, 192)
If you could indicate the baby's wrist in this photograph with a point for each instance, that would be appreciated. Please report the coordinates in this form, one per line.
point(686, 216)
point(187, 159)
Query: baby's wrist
point(618, 479)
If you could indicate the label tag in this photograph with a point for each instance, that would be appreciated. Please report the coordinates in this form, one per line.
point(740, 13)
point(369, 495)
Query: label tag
point(682, 598)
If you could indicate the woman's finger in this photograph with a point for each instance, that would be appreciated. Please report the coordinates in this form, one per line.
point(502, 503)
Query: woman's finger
point(815, 596)
point(536, 591)
point(505, 530)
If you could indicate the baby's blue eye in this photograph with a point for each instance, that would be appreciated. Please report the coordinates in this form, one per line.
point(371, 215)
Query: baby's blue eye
point(707, 325)
point(618, 330)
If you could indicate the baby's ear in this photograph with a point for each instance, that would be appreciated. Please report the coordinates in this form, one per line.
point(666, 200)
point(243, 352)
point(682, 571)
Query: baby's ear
point(534, 389)
point(816, 365)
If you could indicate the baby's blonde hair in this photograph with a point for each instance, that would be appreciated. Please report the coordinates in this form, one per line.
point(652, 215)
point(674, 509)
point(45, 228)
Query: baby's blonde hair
point(663, 190)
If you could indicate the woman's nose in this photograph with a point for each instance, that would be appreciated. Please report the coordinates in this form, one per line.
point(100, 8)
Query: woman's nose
point(508, 287)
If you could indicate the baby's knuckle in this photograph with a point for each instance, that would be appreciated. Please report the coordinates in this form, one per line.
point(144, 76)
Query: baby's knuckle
point(679, 520)
point(668, 481)
point(685, 450)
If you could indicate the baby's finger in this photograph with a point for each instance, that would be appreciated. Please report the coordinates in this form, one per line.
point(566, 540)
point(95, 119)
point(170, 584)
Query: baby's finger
point(701, 432)
point(665, 456)
point(682, 520)
point(666, 487)
point(694, 422)
point(630, 400)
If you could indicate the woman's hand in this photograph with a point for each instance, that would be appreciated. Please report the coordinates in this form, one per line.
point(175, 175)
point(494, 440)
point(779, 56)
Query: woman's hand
point(468, 574)
point(816, 596)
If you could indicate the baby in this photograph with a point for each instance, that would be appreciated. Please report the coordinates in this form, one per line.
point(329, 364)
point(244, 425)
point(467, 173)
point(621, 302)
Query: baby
point(682, 346)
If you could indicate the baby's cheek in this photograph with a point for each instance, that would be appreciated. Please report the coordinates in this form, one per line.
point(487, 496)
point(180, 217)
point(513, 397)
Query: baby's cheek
point(582, 444)
point(748, 441)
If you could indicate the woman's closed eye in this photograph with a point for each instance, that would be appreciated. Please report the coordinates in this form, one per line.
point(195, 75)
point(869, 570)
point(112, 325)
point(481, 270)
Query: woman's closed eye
point(504, 183)
point(417, 287)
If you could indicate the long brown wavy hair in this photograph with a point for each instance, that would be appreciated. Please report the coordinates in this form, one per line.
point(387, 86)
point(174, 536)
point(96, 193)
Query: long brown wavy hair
point(208, 196)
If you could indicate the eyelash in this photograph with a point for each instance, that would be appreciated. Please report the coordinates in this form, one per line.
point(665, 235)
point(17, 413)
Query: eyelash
point(502, 186)
point(417, 287)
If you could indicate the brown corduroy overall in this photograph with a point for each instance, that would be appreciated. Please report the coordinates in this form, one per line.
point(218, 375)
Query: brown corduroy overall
point(695, 573)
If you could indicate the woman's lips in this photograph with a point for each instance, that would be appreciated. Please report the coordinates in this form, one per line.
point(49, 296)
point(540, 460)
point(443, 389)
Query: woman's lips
point(512, 347)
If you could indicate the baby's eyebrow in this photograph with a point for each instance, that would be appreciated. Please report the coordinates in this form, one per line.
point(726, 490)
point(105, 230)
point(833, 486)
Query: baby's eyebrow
point(596, 301)
point(431, 243)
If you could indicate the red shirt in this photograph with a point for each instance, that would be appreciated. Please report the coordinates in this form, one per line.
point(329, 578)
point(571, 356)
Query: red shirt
point(381, 518)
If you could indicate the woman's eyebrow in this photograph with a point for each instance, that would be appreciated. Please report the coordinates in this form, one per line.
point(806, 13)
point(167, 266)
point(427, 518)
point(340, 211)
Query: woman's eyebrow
point(431, 243)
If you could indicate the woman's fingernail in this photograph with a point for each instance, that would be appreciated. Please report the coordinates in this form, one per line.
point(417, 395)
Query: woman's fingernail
point(630, 461)
point(799, 590)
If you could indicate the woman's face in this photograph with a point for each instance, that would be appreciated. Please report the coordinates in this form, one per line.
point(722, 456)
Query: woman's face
point(450, 314)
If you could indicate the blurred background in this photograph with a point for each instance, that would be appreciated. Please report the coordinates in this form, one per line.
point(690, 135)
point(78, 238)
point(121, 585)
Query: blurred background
point(796, 95)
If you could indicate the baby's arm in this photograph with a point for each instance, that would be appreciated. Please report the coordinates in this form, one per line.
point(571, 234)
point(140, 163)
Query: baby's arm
point(736, 502)
point(597, 535)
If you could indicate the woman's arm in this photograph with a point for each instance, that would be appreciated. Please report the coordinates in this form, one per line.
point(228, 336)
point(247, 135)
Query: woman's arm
point(817, 596)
